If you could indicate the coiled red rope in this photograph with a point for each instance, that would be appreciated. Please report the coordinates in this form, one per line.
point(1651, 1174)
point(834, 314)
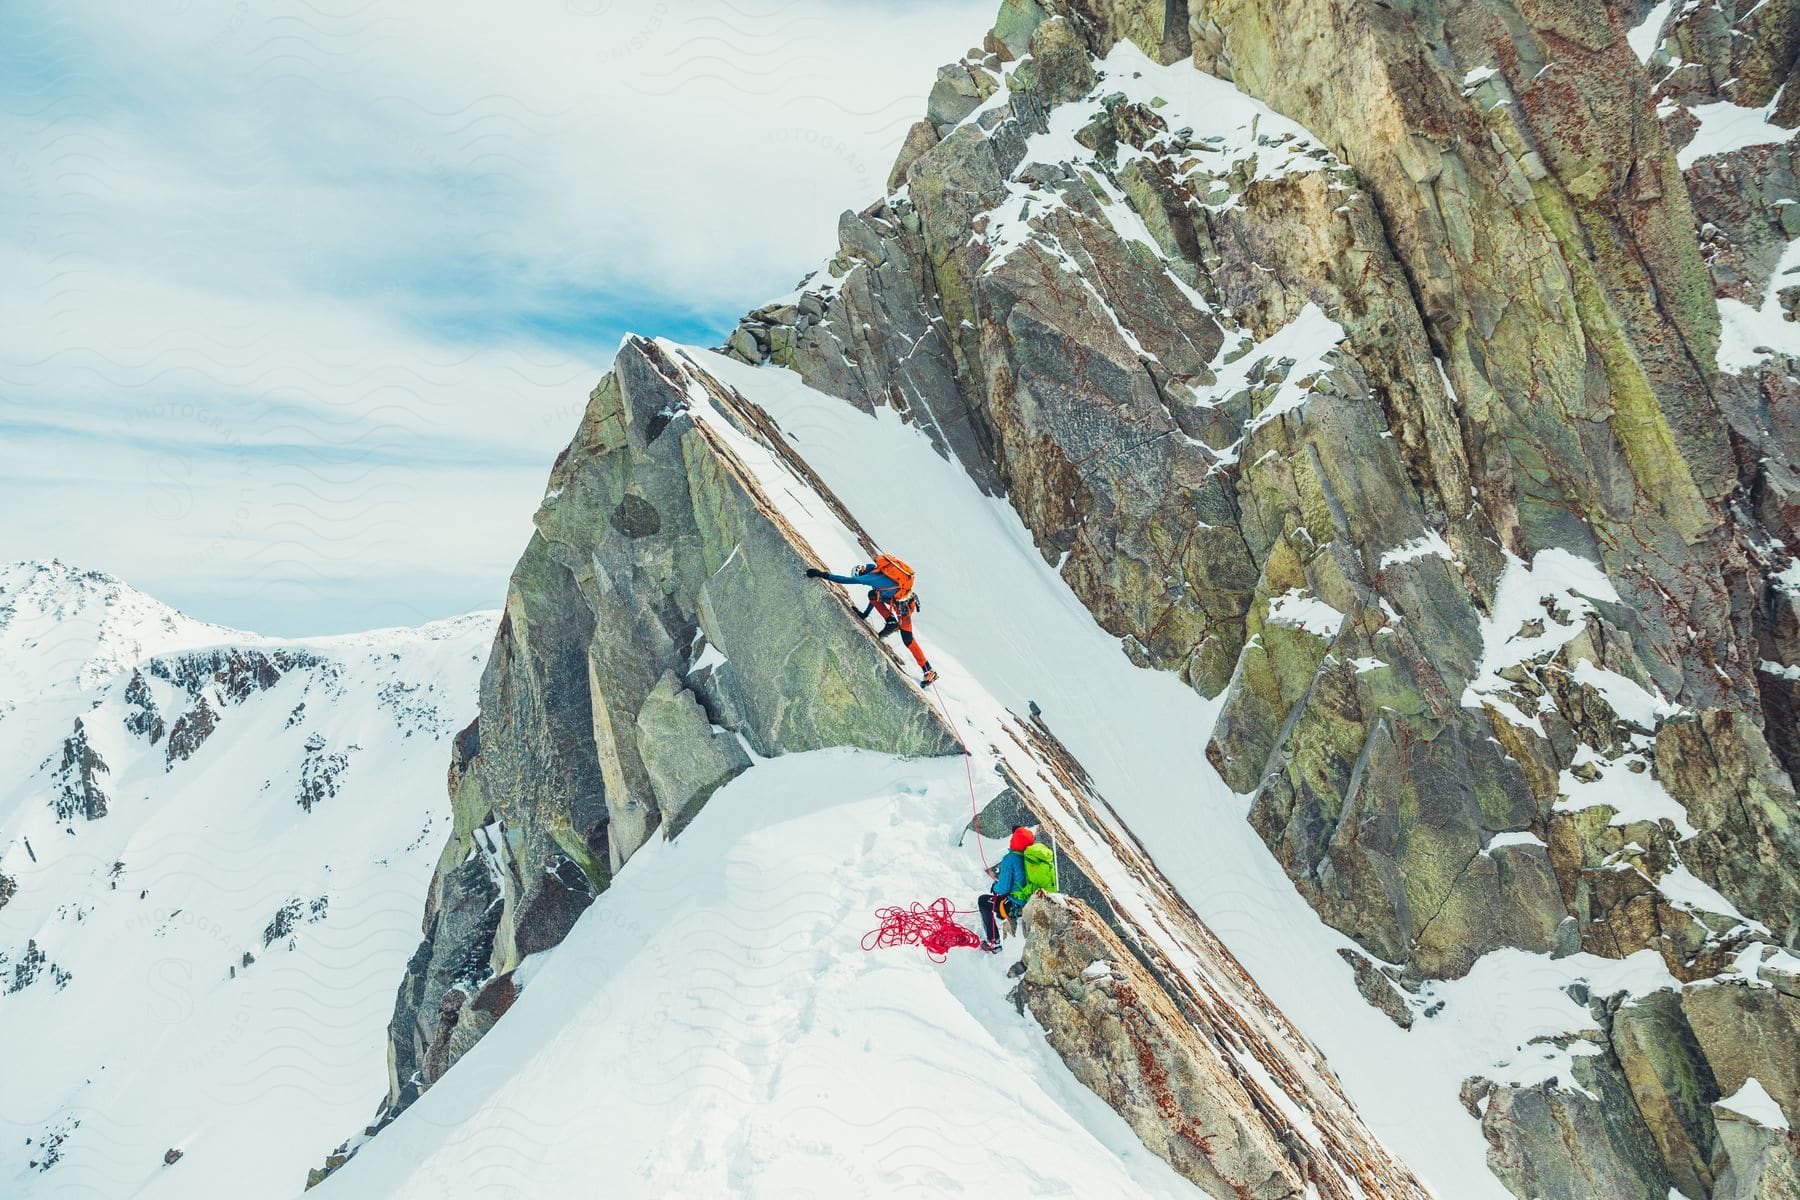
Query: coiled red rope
point(932, 926)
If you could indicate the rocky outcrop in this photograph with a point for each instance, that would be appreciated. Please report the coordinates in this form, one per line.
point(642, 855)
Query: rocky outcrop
point(1177, 1036)
point(1672, 1086)
point(1644, 1109)
point(1197, 517)
point(657, 628)
point(321, 772)
point(684, 756)
point(1574, 1142)
point(660, 633)
point(77, 778)
point(190, 731)
point(144, 719)
point(208, 682)
point(1758, 1162)
point(1123, 1037)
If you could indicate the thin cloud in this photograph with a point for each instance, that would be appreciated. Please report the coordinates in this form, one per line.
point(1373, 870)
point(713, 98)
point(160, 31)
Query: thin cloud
point(303, 299)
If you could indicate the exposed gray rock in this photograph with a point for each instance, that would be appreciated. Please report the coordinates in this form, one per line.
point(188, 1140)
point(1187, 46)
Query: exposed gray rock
point(1527, 286)
point(687, 760)
point(1755, 1162)
point(1672, 1085)
point(921, 137)
point(1124, 1037)
point(190, 731)
point(1574, 1142)
point(1749, 1032)
point(954, 96)
point(1378, 989)
point(77, 778)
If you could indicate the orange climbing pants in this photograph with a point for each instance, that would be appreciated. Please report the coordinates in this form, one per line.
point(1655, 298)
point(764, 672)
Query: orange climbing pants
point(901, 614)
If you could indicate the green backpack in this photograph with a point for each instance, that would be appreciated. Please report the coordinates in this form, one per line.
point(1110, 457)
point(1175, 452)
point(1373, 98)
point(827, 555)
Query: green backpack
point(1040, 871)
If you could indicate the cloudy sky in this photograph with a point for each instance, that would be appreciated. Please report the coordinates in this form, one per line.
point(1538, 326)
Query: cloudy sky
point(298, 301)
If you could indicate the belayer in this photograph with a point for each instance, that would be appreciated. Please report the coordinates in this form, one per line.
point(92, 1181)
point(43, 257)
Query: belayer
point(1027, 868)
point(890, 584)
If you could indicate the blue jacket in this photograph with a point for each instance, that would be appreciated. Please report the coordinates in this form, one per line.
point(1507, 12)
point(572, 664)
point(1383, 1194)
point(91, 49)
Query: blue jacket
point(1012, 874)
point(875, 581)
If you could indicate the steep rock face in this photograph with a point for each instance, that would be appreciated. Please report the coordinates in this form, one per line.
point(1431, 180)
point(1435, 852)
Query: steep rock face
point(1761, 1162)
point(659, 615)
point(78, 787)
point(1566, 1143)
point(1648, 1112)
point(1447, 433)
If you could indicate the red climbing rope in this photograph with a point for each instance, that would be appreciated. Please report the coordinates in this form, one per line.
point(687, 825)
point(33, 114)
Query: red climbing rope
point(969, 771)
point(932, 926)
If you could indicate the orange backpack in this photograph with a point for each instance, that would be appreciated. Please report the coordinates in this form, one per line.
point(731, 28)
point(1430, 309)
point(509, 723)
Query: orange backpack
point(897, 571)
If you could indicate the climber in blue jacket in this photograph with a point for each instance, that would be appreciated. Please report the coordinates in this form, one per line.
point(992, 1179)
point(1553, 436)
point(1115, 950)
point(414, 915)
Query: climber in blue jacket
point(889, 581)
point(880, 585)
point(1011, 888)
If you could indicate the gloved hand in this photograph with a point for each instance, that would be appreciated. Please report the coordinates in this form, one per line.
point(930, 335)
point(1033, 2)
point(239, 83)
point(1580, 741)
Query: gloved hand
point(888, 628)
point(867, 609)
point(814, 573)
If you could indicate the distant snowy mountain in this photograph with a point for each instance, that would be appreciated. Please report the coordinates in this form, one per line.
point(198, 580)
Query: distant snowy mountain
point(212, 847)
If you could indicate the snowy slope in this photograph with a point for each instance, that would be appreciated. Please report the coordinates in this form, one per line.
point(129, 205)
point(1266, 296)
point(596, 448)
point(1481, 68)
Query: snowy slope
point(208, 965)
point(65, 634)
point(732, 1039)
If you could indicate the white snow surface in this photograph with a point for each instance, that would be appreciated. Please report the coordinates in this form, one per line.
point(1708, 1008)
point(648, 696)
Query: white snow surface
point(72, 631)
point(812, 1052)
point(1627, 698)
point(1646, 36)
point(735, 1040)
point(1633, 795)
point(1753, 1100)
point(1688, 890)
point(1303, 611)
point(150, 1043)
point(1788, 578)
point(1427, 545)
point(1557, 589)
point(1725, 127)
point(1748, 335)
point(1516, 838)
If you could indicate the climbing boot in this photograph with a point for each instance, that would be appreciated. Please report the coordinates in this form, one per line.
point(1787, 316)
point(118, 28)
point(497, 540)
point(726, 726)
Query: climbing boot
point(929, 678)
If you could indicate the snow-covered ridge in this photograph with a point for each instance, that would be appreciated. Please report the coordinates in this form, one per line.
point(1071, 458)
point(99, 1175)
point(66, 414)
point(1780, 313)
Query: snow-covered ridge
point(65, 628)
point(212, 848)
